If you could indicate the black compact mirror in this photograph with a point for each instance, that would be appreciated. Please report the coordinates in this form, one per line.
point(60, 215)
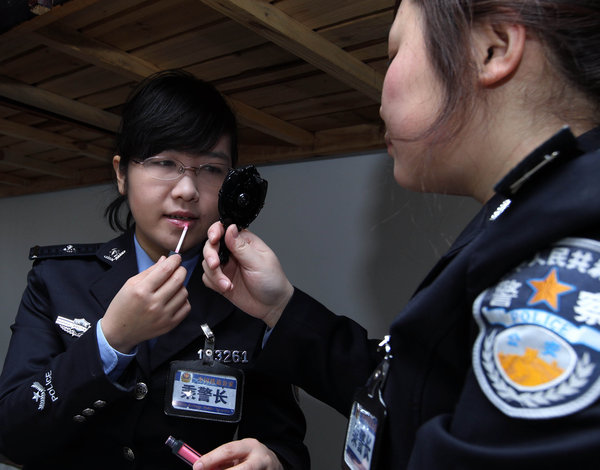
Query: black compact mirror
point(241, 197)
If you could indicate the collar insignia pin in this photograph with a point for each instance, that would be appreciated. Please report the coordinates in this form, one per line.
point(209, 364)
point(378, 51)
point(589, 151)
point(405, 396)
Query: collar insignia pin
point(114, 254)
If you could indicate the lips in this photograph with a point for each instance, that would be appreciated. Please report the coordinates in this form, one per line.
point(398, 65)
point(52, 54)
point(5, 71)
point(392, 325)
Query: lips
point(179, 218)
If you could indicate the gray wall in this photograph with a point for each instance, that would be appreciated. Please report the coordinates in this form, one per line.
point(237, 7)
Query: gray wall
point(344, 231)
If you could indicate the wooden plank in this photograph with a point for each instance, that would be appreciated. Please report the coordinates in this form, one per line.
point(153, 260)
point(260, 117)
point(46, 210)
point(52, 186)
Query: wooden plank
point(85, 82)
point(40, 64)
point(343, 118)
point(273, 24)
point(21, 161)
point(153, 23)
point(57, 104)
point(245, 64)
point(303, 88)
point(15, 46)
point(333, 142)
point(269, 76)
point(31, 133)
point(200, 45)
point(95, 52)
point(55, 14)
point(106, 11)
point(374, 28)
point(11, 180)
point(316, 15)
point(271, 125)
point(111, 98)
point(319, 106)
point(46, 184)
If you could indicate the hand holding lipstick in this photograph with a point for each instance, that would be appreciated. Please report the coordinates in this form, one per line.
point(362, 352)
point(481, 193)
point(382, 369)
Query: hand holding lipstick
point(148, 305)
point(242, 454)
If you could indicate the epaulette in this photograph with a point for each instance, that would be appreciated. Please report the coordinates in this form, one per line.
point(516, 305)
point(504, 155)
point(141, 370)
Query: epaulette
point(62, 251)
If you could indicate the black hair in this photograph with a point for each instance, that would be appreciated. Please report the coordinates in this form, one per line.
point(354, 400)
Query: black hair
point(569, 30)
point(169, 110)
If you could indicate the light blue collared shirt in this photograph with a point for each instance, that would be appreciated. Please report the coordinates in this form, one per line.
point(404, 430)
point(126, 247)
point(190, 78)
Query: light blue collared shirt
point(113, 361)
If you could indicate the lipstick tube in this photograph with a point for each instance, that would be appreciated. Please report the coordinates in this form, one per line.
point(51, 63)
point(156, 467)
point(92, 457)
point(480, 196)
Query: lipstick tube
point(182, 450)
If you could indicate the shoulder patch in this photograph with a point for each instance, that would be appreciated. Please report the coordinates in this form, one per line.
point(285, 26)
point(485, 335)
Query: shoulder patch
point(62, 251)
point(537, 354)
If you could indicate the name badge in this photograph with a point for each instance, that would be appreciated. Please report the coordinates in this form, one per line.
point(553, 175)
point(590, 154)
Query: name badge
point(367, 418)
point(205, 389)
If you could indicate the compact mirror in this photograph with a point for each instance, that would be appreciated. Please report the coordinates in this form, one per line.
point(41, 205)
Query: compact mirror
point(241, 197)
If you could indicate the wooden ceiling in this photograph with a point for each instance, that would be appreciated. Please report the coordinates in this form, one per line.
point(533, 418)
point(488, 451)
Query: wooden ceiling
point(303, 76)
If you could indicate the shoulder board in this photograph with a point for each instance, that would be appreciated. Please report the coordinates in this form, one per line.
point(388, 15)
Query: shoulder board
point(63, 251)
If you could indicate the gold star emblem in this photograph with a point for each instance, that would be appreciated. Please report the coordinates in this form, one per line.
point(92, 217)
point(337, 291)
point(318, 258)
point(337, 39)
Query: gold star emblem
point(548, 290)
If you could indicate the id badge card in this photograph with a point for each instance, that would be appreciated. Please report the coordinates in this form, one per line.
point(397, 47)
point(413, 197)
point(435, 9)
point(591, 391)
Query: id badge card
point(364, 432)
point(366, 423)
point(205, 389)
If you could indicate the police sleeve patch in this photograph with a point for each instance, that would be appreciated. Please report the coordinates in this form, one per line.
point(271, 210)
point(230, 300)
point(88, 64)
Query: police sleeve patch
point(537, 354)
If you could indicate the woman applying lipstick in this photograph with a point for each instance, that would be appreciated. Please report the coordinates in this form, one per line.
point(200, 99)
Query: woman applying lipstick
point(91, 377)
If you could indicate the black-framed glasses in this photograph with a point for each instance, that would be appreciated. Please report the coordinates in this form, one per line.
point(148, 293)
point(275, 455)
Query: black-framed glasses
point(169, 169)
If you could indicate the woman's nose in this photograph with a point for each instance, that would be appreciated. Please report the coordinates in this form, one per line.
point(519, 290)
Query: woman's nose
point(186, 187)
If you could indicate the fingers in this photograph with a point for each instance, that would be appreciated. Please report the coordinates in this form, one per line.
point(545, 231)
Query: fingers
point(211, 247)
point(162, 271)
point(215, 232)
point(215, 279)
point(239, 455)
point(164, 281)
point(213, 276)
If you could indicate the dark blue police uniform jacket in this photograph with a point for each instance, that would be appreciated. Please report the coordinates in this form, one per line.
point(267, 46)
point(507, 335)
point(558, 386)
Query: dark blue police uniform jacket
point(496, 360)
point(58, 410)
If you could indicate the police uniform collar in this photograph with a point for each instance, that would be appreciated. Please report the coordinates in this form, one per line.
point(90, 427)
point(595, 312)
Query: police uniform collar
point(69, 250)
point(561, 147)
point(114, 250)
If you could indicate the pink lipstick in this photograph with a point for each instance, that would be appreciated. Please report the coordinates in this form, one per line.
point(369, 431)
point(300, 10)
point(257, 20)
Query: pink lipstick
point(182, 450)
point(185, 229)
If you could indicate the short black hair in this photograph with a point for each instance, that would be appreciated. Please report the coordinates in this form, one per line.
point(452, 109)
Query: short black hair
point(170, 110)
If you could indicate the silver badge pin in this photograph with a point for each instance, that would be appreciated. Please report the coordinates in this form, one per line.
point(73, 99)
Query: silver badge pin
point(75, 327)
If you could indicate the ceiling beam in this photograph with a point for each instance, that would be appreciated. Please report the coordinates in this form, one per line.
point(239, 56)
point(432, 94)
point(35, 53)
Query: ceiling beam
point(45, 184)
point(21, 131)
point(56, 104)
point(273, 24)
point(46, 168)
point(270, 125)
point(95, 52)
point(12, 180)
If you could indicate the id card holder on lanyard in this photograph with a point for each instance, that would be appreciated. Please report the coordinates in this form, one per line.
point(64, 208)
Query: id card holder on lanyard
point(205, 388)
point(367, 419)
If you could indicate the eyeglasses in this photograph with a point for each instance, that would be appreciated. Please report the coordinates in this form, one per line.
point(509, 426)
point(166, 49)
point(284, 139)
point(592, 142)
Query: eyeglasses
point(169, 169)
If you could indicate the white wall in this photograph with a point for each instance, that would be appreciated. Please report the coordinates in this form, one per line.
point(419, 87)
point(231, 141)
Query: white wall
point(344, 231)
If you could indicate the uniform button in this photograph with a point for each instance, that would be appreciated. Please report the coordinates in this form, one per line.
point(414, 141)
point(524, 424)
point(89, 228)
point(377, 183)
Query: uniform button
point(88, 412)
point(79, 418)
point(99, 404)
point(141, 390)
point(128, 454)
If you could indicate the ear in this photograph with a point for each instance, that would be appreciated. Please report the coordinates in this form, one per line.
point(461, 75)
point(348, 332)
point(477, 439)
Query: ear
point(120, 175)
point(499, 49)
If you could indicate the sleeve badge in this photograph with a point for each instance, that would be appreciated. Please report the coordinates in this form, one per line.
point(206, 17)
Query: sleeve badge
point(537, 354)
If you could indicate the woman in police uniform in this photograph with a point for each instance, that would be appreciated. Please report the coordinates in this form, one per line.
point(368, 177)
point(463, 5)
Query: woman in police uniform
point(495, 361)
point(91, 378)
